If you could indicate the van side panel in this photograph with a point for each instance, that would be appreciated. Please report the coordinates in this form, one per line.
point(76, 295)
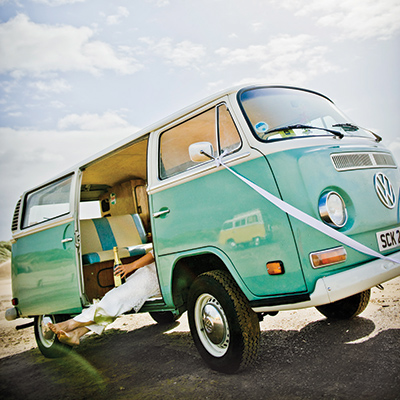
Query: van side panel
point(44, 272)
point(201, 210)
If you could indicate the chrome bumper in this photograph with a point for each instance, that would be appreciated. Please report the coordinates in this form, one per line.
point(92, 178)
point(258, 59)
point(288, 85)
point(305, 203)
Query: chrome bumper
point(344, 284)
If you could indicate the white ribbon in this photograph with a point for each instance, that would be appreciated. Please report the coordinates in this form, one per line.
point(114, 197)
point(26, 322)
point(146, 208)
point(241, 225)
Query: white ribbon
point(307, 219)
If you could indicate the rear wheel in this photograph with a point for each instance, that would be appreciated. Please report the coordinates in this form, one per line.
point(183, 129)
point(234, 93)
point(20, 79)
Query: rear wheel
point(47, 342)
point(347, 308)
point(225, 329)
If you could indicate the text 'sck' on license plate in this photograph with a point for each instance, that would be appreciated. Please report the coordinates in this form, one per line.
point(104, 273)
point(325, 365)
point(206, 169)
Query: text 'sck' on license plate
point(389, 239)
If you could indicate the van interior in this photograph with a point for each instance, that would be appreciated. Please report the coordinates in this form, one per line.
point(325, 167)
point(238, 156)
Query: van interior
point(116, 186)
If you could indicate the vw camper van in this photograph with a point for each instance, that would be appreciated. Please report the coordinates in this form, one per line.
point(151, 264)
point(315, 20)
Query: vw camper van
point(318, 196)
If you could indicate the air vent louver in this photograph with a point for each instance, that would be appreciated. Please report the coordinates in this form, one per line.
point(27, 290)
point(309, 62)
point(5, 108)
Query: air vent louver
point(383, 159)
point(14, 225)
point(362, 160)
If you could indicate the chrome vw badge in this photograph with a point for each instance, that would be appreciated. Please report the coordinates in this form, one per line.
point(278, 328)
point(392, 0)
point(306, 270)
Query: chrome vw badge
point(384, 190)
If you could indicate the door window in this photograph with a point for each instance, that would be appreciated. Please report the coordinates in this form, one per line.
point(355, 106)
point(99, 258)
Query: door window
point(228, 134)
point(215, 126)
point(47, 203)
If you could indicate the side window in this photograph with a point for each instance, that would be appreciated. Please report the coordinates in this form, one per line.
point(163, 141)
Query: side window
point(48, 202)
point(228, 135)
point(174, 143)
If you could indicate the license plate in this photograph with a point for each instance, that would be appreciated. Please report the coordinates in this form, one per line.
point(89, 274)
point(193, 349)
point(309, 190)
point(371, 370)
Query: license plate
point(389, 239)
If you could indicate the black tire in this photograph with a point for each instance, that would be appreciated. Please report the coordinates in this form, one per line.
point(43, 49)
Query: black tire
point(164, 317)
point(347, 308)
point(48, 344)
point(224, 328)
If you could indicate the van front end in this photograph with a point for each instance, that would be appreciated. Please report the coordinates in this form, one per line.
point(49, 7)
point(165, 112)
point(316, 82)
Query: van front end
point(341, 176)
point(344, 187)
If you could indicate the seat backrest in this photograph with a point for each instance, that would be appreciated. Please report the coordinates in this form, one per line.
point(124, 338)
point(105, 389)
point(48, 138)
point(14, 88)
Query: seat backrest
point(102, 234)
point(142, 204)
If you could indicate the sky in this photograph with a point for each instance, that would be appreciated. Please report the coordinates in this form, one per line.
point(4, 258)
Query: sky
point(77, 76)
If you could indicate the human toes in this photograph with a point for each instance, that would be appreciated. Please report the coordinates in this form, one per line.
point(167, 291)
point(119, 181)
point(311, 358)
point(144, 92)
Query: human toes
point(53, 328)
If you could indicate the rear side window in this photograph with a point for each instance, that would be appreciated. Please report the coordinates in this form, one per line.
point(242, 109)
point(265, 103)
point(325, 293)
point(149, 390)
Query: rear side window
point(47, 203)
point(215, 126)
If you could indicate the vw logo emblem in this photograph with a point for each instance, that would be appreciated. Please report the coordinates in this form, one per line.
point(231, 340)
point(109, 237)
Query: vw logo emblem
point(384, 190)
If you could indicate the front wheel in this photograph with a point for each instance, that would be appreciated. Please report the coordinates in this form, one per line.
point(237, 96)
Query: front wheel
point(347, 308)
point(224, 328)
point(47, 342)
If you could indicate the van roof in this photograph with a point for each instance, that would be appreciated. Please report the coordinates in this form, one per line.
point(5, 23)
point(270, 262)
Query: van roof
point(158, 125)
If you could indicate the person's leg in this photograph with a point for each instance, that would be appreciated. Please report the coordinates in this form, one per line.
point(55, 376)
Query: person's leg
point(72, 338)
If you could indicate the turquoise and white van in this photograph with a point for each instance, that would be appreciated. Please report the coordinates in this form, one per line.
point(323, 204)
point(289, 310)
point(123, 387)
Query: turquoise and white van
point(322, 194)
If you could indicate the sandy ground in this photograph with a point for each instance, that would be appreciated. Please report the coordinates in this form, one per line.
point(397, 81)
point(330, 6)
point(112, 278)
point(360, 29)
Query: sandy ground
point(302, 356)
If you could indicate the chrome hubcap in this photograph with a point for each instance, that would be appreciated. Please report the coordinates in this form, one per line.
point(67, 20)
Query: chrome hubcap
point(46, 336)
point(212, 325)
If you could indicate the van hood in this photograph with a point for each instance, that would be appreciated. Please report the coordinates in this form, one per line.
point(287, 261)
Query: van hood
point(304, 175)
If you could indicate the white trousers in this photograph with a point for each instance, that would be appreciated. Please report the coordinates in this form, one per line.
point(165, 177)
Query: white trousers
point(139, 287)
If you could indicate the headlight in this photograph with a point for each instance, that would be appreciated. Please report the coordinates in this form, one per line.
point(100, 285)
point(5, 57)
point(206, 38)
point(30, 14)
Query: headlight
point(333, 210)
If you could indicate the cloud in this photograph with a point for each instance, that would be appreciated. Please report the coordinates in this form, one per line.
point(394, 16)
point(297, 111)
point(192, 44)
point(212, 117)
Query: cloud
point(37, 48)
point(159, 3)
point(284, 58)
point(40, 154)
point(122, 12)
point(93, 122)
point(353, 19)
point(29, 157)
point(55, 3)
point(24, 151)
point(182, 54)
point(53, 86)
point(394, 147)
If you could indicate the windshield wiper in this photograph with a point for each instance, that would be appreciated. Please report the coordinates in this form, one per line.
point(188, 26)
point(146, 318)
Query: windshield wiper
point(348, 127)
point(299, 126)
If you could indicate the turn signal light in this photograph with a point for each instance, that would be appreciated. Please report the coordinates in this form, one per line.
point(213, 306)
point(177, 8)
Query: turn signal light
point(328, 257)
point(275, 268)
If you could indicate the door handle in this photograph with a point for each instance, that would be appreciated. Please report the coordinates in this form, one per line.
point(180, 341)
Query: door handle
point(160, 213)
point(67, 240)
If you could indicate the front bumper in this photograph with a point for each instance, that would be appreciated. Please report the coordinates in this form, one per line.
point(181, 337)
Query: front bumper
point(344, 284)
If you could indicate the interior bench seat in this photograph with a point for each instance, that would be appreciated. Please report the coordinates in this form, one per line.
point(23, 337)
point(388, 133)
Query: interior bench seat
point(100, 235)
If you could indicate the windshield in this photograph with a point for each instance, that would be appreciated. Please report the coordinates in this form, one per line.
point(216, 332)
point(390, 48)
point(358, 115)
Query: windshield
point(298, 112)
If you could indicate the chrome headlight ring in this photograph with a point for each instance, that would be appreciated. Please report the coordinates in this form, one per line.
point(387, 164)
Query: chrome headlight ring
point(332, 209)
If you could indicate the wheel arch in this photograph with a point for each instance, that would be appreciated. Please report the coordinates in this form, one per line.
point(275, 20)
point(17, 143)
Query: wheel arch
point(188, 266)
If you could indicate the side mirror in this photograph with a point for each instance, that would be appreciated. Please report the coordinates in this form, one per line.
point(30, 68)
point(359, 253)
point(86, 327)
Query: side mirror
point(197, 150)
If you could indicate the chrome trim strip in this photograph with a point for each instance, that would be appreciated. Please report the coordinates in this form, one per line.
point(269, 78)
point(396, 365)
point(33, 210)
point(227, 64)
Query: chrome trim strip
point(324, 213)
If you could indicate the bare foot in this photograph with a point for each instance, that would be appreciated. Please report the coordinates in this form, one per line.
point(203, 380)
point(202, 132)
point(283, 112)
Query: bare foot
point(69, 338)
point(66, 326)
point(53, 328)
